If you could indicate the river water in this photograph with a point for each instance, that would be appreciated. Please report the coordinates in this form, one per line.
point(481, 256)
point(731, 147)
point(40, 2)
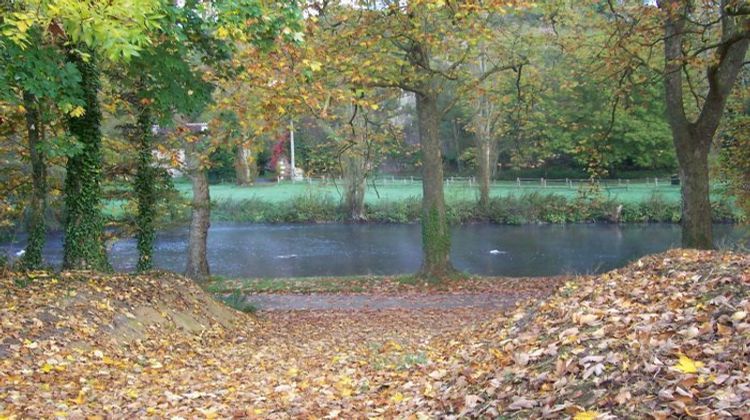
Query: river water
point(253, 250)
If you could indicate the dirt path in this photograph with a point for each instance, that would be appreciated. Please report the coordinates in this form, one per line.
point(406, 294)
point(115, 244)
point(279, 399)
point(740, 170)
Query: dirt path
point(359, 302)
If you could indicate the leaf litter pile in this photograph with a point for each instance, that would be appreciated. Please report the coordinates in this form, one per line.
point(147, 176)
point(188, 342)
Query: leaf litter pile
point(667, 336)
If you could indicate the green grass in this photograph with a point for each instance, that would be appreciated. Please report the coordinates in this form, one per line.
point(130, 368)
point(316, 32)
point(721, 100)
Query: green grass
point(400, 202)
point(348, 284)
point(387, 191)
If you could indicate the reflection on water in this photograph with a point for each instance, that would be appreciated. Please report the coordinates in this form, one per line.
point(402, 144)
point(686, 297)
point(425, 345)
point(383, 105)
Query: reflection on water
point(251, 250)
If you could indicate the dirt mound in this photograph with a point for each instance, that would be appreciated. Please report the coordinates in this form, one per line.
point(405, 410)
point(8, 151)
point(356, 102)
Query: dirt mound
point(87, 310)
point(668, 335)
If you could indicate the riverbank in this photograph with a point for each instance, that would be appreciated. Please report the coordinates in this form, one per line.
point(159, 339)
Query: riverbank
point(513, 209)
point(667, 334)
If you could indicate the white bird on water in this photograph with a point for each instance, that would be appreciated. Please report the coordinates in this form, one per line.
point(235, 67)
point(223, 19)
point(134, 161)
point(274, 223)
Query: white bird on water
point(497, 252)
point(20, 253)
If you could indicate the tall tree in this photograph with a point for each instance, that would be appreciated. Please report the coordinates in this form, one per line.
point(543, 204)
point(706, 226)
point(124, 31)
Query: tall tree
point(241, 23)
point(693, 136)
point(420, 46)
point(36, 79)
point(704, 45)
point(161, 82)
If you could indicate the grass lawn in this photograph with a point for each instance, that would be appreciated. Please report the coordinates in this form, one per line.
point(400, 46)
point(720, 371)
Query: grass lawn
point(401, 190)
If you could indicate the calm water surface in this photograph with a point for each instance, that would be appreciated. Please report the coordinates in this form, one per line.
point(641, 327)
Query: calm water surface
point(251, 250)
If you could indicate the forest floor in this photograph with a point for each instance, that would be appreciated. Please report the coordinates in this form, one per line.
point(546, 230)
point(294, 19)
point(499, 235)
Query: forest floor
point(668, 335)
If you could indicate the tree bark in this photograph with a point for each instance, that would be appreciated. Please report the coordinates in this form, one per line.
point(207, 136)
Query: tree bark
point(145, 189)
point(241, 168)
point(484, 161)
point(32, 258)
point(84, 224)
point(197, 262)
point(356, 184)
point(692, 140)
point(436, 238)
point(697, 226)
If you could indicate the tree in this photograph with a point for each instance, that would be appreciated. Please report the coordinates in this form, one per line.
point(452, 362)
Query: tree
point(159, 83)
point(498, 103)
point(240, 23)
point(84, 30)
point(37, 80)
point(704, 45)
point(693, 139)
point(420, 46)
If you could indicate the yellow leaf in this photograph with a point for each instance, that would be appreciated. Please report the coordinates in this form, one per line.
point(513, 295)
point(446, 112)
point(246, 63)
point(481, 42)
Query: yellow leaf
point(80, 399)
point(586, 415)
point(77, 112)
point(47, 368)
point(397, 397)
point(688, 365)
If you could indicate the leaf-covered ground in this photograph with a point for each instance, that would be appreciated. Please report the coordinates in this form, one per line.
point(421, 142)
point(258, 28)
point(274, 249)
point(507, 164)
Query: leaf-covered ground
point(667, 336)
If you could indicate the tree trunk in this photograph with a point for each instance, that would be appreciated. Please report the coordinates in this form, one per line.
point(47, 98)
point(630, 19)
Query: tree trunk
point(84, 223)
point(692, 155)
point(456, 145)
point(197, 262)
point(33, 258)
point(356, 184)
point(241, 168)
point(436, 239)
point(145, 190)
point(484, 162)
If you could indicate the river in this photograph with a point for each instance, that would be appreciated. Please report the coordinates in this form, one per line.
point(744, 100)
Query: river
point(253, 250)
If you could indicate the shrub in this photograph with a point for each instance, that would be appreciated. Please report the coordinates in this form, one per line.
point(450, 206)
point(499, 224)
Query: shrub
point(238, 301)
point(512, 209)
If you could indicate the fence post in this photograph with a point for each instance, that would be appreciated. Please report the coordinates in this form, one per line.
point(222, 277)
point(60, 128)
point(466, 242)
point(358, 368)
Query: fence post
point(656, 182)
point(518, 182)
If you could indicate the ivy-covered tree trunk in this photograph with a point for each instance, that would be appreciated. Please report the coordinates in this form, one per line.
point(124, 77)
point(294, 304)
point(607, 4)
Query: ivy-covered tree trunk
point(84, 223)
point(200, 221)
point(145, 190)
point(37, 227)
point(355, 177)
point(241, 167)
point(436, 237)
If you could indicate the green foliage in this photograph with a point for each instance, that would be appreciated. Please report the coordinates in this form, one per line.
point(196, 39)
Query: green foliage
point(513, 209)
point(84, 224)
point(222, 166)
point(436, 238)
point(145, 190)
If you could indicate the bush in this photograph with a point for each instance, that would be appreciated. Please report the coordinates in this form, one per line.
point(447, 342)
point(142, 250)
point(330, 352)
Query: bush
point(238, 301)
point(533, 207)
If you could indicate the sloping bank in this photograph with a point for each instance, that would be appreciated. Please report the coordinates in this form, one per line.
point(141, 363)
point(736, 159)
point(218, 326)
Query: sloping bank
point(511, 209)
point(665, 337)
